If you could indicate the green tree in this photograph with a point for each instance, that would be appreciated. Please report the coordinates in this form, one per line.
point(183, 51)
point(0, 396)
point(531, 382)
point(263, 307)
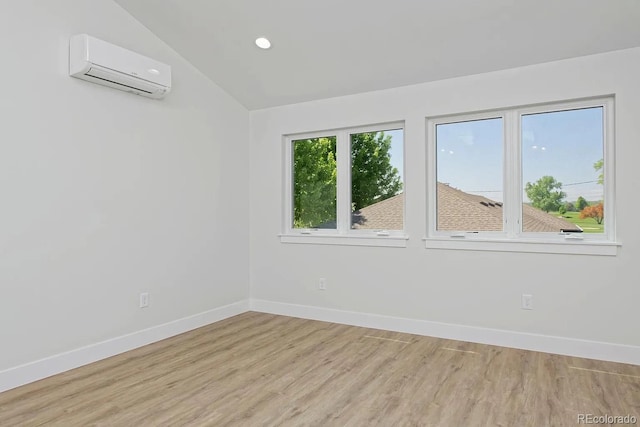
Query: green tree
point(314, 181)
point(598, 166)
point(581, 203)
point(545, 194)
point(569, 207)
point(562, 209)
point(373, 177)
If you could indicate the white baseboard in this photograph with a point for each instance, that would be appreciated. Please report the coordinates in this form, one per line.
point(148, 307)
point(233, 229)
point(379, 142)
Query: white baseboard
point(34, 371)
point(521, 340)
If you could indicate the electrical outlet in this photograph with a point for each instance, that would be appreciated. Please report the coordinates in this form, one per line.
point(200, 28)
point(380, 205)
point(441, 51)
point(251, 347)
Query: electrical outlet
point(322, 284)
point(527, 302)
point(144, 299)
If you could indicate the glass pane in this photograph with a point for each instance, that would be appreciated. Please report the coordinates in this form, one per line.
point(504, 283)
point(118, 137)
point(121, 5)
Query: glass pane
point(562, 171)
point(377, 201)
point(469, 175)
point(314, 183)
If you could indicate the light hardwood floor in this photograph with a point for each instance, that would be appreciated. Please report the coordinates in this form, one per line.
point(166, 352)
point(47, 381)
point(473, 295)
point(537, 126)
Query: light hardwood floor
point(259, 369)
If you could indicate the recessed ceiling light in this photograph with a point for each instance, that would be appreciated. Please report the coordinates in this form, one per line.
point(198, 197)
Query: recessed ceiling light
point(263, 43)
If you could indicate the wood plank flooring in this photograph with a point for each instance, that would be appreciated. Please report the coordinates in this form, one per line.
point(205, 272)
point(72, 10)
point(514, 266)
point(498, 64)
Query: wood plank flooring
point(258, 369)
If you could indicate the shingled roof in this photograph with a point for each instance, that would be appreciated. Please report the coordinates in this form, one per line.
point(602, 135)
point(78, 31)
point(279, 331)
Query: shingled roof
point(384, 215)
point(457, 211)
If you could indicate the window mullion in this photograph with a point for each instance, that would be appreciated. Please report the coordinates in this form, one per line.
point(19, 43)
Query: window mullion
point(343, 202)
point(512, 175)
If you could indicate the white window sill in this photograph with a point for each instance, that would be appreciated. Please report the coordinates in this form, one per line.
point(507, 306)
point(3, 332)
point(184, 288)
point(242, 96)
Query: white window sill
point(394, 241)
point(534, 245)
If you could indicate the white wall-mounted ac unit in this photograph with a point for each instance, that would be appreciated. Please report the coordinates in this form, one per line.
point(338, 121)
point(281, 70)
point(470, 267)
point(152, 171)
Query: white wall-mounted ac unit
point(104, 63)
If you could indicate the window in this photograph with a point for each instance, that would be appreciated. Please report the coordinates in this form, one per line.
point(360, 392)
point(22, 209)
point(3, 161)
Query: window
point(314, 182)
point(562, 161)
point(377, 201)
point(469, 175)
point(534, 179)
point(345, 187)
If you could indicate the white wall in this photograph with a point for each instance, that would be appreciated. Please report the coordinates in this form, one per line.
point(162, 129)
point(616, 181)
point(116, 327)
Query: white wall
point(578, 297)
point(105, 194)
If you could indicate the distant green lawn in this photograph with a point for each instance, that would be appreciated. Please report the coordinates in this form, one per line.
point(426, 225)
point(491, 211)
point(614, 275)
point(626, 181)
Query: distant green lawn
point(589, 225)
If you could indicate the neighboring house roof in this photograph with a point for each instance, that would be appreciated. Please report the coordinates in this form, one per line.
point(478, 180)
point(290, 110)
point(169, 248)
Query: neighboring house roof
point(457, 211)
point(384, 215)
point(536, 220)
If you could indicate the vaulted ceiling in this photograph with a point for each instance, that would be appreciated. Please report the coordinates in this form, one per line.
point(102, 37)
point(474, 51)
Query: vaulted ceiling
point(327, 48)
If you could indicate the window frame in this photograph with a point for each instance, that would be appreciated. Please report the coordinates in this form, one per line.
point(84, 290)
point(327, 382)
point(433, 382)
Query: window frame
point(343, 234)
point(513, 238)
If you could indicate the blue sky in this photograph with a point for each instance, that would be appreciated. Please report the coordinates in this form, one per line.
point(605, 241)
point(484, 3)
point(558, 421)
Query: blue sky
point(397, 146)
point(562, 144)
